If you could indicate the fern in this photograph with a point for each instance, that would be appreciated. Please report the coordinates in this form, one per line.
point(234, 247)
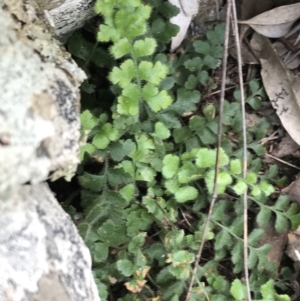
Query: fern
point(148, 164)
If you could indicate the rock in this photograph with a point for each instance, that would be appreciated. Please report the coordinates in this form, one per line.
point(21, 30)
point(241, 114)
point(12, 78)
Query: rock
point(42, 257)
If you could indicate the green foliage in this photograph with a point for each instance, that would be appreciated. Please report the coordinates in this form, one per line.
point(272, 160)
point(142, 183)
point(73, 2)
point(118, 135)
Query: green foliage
point(148, 165)
point(267, 292)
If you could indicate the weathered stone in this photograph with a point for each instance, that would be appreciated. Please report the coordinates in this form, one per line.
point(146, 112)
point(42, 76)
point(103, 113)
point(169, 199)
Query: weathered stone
point(39, 112)
point(42, 257)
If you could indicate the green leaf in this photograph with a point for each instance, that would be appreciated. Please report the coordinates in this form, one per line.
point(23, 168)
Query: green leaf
point(210, 61)
point(136, 243)
point(91, 182)
point(251, 178)
point(168, 10)
point(223, 238)
point(281, 223)
point(172, 185)
point(132, 23)
point(181, 134)
point(88, 121)
point(224, 180)
point(78, 46)
point(256, 192)
point(105, 8)
point(267, 188)
point(196, 123)
point(282, 203)
point(145, 173)
point(272, 172)
point(128, 167)
point(254, 85)
point(206, 158)
point(86, 148)
point(150, 204)
point(193, 64)
point(254, 102)
point(191, 82)
point(201, 47)
point(144, 145)
point(123, 75)
point(240, 187)
point(263, 216)
point(186, 100)
point(100, 252)
point(125, 267)
point(238, 290)
point(120, 48)
point(186, 171)
point(203, 77)
point(184, 194)
point(152, 73)
point(87, 233)
point(113, 233)
point(268, 292)
point(155, 99)
point(171, 166)
point(219, 209)
point(237, 252)
point(207, 136)
point(161, 131)
point(163, 31)
point(127, 192)
point(120, 149)
point(144, 47)
point(167, 83)
point(129, 100)
point(236, 166)
point(255, 236)
point(118, 176)
point(216, 36)
point(107, 33)
point(253, 258)
point(258, 148)
point(181, 257)
point(106, 134)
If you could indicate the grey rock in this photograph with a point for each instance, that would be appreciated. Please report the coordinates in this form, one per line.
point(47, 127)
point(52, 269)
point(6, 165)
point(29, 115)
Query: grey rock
point(42, 256)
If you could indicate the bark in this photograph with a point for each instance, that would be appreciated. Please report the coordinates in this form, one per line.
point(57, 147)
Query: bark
point(65, 16)
point(42, 256)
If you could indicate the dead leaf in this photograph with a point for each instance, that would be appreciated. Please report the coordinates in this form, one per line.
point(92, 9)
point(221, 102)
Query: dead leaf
point(293, 190)
point(286, 147)
point(275, 23)
point(290, 60)
point(293, 245)
point(279, 87)
point(252, 8)
point(276, 240)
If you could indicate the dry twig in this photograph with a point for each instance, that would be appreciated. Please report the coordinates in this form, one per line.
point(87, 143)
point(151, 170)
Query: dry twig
point(217, 167)
point(239, 57)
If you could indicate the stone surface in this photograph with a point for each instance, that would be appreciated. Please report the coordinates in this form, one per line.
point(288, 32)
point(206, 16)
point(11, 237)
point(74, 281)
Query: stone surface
point(42, 256)
point(39, 112)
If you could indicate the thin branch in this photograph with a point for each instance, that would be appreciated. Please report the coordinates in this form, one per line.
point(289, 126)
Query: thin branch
point(282, 161)
point(239, 56)
point(217, 167)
